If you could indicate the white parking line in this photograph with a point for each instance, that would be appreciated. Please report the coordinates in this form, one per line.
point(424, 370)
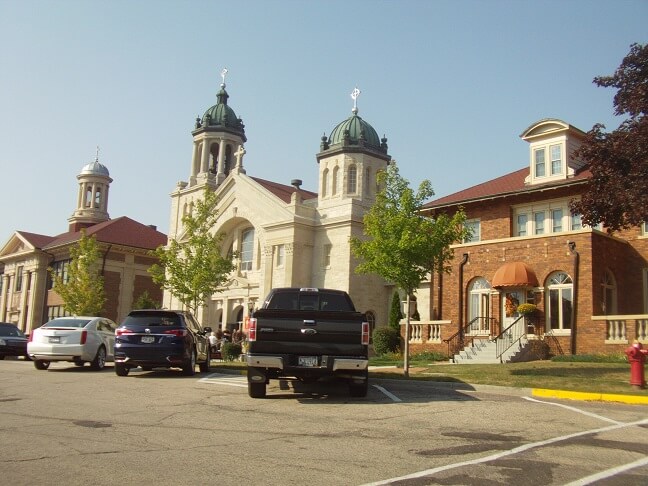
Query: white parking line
point(609, 473)
point(578, 410)
point(510, 452)
point(390, 395)
point(221, 379)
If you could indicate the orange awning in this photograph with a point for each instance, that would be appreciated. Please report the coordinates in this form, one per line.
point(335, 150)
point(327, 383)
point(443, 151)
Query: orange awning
point(514, 274)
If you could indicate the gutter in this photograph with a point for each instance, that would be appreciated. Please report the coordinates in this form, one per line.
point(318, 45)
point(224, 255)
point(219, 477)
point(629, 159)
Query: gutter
point(461, 293)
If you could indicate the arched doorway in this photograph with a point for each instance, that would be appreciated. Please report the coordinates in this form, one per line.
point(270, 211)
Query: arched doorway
point(479, 308)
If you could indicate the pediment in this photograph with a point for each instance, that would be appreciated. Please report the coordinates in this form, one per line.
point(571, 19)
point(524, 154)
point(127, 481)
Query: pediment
point(16, 245)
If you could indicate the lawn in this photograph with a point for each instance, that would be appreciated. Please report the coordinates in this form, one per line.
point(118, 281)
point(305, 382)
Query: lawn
point(573, 376)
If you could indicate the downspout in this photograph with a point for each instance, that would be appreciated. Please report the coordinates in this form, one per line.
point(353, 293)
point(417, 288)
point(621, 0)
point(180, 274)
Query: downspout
point(572, 248)
point(105, 257)
point(461, 303)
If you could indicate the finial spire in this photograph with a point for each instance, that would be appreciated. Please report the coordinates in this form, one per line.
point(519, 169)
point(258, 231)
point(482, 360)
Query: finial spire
point(354, 94)
point(223, 74)
point(97, 155)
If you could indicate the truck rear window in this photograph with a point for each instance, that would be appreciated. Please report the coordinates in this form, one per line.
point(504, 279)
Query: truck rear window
point(322, 301)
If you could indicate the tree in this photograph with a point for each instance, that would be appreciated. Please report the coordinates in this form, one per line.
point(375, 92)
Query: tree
point(403, 246)
point(145, 301)
point(82, 291)
point(193, 268)
point(395, 314)
point(617, 193)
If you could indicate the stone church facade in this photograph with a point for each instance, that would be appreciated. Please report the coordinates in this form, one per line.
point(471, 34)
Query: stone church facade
point(285, 236)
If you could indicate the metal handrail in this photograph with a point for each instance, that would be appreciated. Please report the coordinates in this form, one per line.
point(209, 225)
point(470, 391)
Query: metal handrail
point(458, 341)
point(509, 337)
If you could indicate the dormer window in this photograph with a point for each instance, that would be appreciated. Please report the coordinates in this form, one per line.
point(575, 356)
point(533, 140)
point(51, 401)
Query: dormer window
point(554, 167)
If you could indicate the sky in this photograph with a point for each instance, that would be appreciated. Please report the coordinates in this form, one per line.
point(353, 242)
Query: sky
point(451, 84)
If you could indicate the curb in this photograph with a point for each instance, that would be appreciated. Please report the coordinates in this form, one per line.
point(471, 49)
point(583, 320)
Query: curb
point(585, 396)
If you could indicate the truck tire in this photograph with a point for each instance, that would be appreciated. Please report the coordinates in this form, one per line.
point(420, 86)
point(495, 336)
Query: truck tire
point(189, 366)
point(121, 370)
point(256, 390)
point(359, 389)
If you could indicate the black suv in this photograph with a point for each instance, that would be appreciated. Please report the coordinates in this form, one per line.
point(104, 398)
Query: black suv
point(161, 338)
point(12, 341)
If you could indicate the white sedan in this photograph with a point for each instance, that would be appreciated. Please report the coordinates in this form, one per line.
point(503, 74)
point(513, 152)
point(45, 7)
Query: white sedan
point(79, 340)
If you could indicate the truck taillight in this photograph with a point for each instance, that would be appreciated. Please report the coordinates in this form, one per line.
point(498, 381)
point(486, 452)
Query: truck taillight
point(84, 336)
point(252, 329)
point(365, 333)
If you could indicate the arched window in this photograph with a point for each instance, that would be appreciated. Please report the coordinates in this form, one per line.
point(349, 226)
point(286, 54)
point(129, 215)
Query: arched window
point(479, 310)
point(325, 174)
point(247, 249)
point(609, 294)
point(334, 183)
point(352, 180)
point(560, 304)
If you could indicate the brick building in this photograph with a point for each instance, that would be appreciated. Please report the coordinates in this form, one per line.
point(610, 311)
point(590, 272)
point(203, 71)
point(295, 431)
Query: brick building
point(590, 287)
point(26, 295)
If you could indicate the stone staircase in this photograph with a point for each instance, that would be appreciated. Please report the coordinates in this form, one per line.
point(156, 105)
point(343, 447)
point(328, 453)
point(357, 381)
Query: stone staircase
point(483, 351)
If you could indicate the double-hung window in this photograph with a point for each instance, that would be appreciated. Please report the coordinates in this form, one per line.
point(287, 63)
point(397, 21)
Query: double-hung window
point(556, 159)
point(247, 249)
point(539, 162)
point(474, 226)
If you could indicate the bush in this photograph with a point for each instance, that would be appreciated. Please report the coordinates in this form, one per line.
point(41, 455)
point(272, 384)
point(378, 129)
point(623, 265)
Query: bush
point(386, 340)
point(231, 351)
point(590, 358)
point(429, 356)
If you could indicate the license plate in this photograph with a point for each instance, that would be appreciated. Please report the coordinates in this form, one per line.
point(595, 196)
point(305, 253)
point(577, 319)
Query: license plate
point(148, 339)
point(308, 361)
point(56, 339)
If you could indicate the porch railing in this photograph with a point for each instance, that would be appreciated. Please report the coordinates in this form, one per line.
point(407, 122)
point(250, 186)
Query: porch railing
point(510, 337)
point(618, 328)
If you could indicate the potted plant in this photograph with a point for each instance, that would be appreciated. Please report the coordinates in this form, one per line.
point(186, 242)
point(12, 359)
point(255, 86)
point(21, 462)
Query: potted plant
point(528, 310)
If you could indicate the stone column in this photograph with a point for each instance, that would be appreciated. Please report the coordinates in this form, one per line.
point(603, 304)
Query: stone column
point(204, 159)
point(221, 157)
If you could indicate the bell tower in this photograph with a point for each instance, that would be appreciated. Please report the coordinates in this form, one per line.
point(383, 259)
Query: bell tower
point(218, 140)
point(92, 199)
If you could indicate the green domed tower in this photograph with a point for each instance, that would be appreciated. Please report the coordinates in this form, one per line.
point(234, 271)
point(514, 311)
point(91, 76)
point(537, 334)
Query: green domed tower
point(218, 142)
point(349, 159)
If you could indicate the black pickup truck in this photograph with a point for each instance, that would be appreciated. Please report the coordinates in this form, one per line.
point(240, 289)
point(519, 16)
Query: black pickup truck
point(307, 334)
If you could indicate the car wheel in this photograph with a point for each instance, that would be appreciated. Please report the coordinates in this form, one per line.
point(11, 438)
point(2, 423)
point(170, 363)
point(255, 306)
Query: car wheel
point(256, 390)
point(189, 368)
point(39, 364)
point(78, 362)
point(206, 366)
point(100, 359)
point(121, 370)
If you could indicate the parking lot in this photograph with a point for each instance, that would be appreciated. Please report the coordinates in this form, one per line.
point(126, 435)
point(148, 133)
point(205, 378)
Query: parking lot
point(77, 426)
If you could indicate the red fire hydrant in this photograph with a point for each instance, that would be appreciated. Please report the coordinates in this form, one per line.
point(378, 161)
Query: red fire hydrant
point(637, 357)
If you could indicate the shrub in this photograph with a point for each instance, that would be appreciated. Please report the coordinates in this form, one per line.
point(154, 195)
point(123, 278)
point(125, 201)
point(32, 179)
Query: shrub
point(429, 356)
point(527, 309)
point(386, 340)
point(230, 351)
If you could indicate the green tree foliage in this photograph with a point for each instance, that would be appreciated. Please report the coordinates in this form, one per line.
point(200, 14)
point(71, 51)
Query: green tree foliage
point(193, 267)
point(617, 193)
point(145, 301)
point(401, 245)
point(395, 314)
point(83, 293)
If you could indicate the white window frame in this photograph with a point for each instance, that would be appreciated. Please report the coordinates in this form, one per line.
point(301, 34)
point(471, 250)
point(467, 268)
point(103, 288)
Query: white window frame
point(326, 256)
point(537, 164)
point(559, 283)
point(475, 226)
point(548, 160)
point(352, 179)
point(608, 293)
point(556, 164)
point(568, 221)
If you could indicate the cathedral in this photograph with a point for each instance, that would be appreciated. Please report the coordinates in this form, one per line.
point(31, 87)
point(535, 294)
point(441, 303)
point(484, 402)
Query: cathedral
point(284, 236)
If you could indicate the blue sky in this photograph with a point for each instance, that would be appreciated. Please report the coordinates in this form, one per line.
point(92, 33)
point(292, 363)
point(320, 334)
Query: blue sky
point(452, 84)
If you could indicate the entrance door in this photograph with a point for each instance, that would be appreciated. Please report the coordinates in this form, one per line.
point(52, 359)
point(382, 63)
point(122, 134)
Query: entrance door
point(479, 309)
point(511, 298)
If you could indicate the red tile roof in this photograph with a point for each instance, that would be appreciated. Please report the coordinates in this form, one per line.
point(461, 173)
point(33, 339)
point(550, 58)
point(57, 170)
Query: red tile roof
point(121, 231)
point(512, 183)
point(36, 240)
point(283, 191)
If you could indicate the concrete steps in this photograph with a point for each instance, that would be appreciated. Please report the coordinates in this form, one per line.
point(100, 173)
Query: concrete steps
point(484, 351)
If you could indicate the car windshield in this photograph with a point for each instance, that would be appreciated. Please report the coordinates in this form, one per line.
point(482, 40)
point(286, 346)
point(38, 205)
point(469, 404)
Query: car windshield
point(10, 332)
point(152, 319)
point(71, 322)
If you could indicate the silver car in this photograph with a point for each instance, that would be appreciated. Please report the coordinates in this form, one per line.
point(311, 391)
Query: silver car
point(75, 339)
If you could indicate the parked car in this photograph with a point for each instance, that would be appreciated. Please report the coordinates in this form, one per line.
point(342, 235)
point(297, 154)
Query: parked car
point(161, 338)
point(12, 341)
point(79, 340)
